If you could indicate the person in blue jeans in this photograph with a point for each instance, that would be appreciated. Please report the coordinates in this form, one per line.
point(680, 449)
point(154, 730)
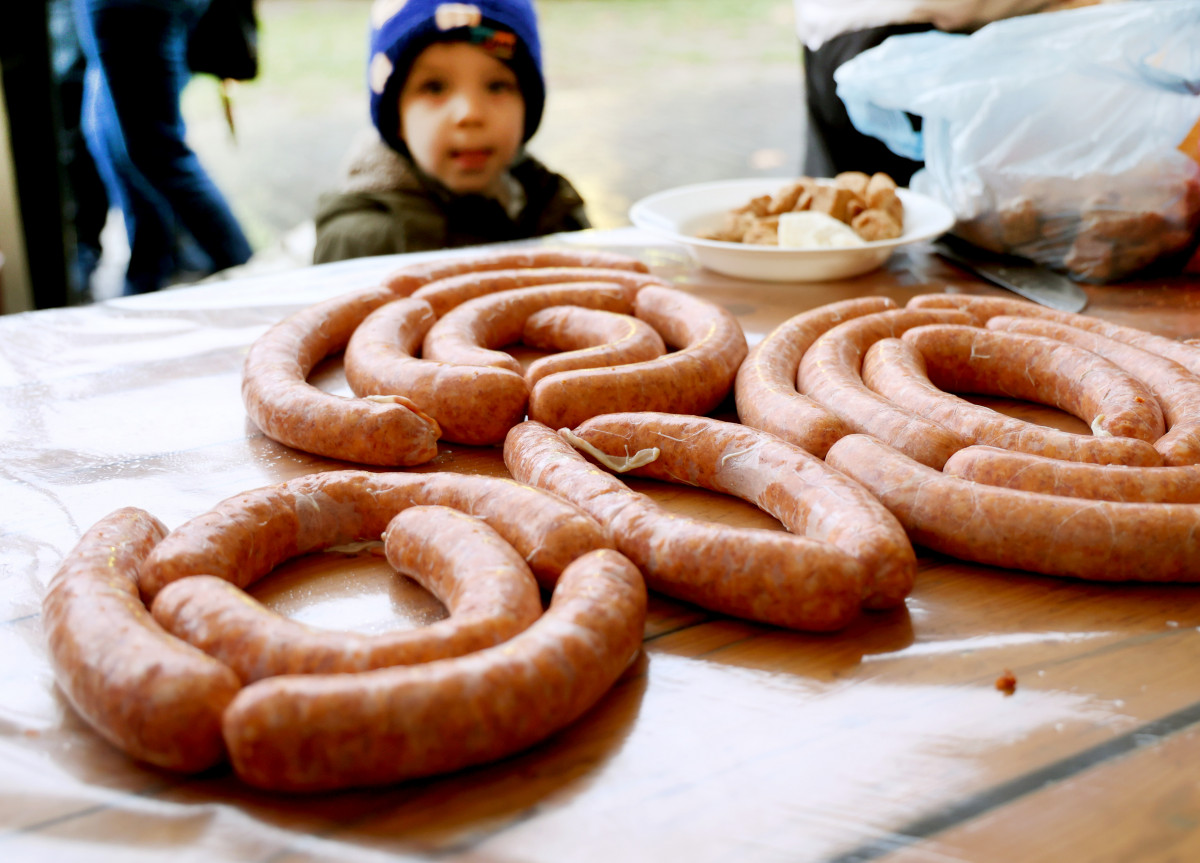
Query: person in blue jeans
point(175, 216)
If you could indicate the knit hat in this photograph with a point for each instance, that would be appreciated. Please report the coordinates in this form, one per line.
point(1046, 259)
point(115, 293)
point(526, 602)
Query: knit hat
point(401, 29)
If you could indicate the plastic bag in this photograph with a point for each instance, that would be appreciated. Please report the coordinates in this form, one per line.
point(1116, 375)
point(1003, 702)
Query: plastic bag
point(1066, 137)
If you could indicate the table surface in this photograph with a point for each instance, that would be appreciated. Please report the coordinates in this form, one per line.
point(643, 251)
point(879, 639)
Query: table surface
point(725, 741)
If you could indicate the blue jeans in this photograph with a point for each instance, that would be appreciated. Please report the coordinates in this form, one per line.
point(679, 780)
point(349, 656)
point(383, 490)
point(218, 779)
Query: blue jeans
point(137, 69)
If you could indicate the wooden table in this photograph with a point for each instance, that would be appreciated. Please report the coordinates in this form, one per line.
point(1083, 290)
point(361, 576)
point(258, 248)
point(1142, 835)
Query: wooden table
point(726, 741)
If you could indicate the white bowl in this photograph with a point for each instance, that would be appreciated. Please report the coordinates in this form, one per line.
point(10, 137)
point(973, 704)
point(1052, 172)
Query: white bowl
point(682, 213)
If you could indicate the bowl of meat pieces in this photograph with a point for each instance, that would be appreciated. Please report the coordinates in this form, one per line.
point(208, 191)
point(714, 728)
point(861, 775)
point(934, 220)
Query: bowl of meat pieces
point(800, 230)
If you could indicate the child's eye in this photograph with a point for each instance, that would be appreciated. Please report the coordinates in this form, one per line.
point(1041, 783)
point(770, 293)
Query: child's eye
point(432, 87)
point(502, 86)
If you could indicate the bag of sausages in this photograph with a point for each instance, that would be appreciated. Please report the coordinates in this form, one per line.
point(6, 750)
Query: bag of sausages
point(1071, 138)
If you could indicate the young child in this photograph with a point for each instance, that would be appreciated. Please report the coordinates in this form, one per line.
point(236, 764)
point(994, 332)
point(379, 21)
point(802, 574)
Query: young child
point(456, 90)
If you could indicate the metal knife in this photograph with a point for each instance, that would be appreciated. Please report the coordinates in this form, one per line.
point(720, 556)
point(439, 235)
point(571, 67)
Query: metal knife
point(1019, 275)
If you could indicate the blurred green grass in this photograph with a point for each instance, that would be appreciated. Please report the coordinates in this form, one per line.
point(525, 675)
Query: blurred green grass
point(313, 52)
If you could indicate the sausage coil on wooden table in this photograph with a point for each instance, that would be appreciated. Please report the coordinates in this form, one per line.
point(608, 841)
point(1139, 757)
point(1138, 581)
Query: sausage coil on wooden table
point(526, 673)
point(759, 574)
point(471, 333)
point(449, 293)
point(831, 373)
point(1048, 371)
point(923, 371)
point(1017, 470)
point(708, 345)
point(481, 580)
point(246, 536)
point(386, 431)
point(983, 308)
point(1075, 537)
point(410, 277)
point(472, 405)
point(586, 339)
point(765, 388)
point(157, 698)
point(1176, 389)
point(778, 477)
point(890, 377)
point(330, 731)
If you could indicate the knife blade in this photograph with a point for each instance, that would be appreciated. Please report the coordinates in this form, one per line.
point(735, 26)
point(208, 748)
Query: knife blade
point(1019, 275)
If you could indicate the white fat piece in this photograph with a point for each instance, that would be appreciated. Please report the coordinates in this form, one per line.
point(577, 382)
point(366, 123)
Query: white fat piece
point(617, 464)
point(808, 229)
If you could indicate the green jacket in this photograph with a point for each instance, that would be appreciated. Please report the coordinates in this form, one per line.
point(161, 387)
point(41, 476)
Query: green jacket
point(387, 206)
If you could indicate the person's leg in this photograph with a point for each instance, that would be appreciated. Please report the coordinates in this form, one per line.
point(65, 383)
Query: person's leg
point(832, 144)
point(142, 49)
point(174, 168)
point(118, 39)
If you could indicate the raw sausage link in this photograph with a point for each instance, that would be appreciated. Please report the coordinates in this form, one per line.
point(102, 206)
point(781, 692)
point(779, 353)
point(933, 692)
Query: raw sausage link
point(246, 536)
point(587, 339)
point(765, 575)
point(1015, 365)
point(985, 308)
point(322, 732)
point(447, 293)
point(831, 373)
point(409, 278)
point(1177, 389)
point(708, 344)
point(992, 466)
point(470, 333)
point(288, 409)
point(472, 405)
point(155, 697)
point(897, 369)
point(1098, 540)
point(481, 579)
point(981, 308)
point(765, 388)
point(806, 495)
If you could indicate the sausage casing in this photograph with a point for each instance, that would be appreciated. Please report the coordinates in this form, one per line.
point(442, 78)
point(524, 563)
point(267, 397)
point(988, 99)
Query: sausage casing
point(1176, 388)
point(759, 574)
point(898, 369)
point(1034, 473)
point(449, 293)
point(805, 494)
point(587, 339)
point(288, 409)
point(831, 373)
point(708, 347)
point(472, 405)
point(246, 536)
point(471, 333)
point(986, 308)
point(765, 388)
point(481, 579)
point(1039, 369)
point(414, 276)
point(321, 732)
point(1089, 539)
point(155, 697)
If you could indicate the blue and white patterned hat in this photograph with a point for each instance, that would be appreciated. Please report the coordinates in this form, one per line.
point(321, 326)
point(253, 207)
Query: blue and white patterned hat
point(400, 29)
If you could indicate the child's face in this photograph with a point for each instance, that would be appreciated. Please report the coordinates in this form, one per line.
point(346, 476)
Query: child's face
point(462, 116)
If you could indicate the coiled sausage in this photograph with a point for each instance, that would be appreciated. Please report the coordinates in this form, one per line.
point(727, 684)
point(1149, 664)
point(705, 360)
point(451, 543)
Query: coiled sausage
point(322, 732)
point(481, 579)
point(157, 698)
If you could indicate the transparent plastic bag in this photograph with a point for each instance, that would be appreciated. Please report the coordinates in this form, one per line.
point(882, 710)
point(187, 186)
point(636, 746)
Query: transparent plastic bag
point(1065, 137)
